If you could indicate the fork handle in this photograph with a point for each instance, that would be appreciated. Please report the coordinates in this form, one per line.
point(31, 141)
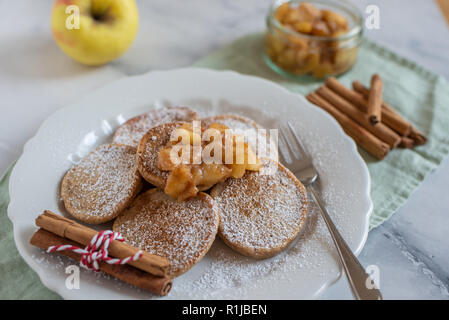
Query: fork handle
point(356, 274)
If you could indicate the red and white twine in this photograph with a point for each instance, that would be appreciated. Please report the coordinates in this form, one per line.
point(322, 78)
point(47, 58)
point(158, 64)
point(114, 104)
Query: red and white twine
point(97, 250)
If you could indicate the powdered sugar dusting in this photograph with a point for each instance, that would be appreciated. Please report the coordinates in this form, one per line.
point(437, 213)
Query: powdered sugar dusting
point(132, 131)
point(102, 182)
point(229, 275)
point(180, 231)
point(261, 211)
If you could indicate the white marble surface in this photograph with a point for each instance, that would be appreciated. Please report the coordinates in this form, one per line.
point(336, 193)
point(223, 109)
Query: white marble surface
point(36, 79)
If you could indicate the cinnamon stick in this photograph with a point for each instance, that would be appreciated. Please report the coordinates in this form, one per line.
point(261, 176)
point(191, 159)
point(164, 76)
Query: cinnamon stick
point(374, 108)
point(399, 124)
point(155, 284)
point(380, 130)
point(361, 136)
point(417, 137)
point(69, 229)
point(407, 142)
point(391, 119)
point(389, 116)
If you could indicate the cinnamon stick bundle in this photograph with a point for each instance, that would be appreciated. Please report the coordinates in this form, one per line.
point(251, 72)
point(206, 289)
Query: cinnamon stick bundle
point(155, 284)
point(364, 116)
point(69, 229)
point(389, 116)
point(394, 119)
point(380, 130)
point(361, 136)
point(374, 107)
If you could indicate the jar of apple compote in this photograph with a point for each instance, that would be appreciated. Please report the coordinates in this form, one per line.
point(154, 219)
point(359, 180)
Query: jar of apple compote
point(317, 38)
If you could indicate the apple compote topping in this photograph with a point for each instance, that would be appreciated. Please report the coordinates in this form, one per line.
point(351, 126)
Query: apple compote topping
point(198, 159)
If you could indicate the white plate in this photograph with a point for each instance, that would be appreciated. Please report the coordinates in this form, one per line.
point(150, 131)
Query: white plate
point(302, 271)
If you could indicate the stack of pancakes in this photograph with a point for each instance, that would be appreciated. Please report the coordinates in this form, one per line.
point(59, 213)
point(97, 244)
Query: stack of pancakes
point(257, 215)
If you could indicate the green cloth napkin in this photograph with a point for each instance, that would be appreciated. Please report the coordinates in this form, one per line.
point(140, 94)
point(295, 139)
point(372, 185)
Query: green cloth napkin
point(419, 95)
point(17, 279)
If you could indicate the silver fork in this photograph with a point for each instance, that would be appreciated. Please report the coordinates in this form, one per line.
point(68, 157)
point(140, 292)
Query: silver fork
point(301, 165)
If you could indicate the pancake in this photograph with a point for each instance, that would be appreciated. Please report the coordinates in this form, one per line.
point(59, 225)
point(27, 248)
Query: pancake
point(260, 214)
point(182, 232)
point(147, 153)
point(132, 131)
point(102, 184)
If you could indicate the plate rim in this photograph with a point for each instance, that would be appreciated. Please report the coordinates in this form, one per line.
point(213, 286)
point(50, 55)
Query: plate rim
point(41, 271)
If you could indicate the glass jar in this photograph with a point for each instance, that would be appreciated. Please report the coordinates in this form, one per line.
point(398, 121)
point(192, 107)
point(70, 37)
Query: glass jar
point(297, 55)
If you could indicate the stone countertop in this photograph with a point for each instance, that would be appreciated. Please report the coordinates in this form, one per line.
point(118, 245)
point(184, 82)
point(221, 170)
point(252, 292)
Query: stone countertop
point(411, 249)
